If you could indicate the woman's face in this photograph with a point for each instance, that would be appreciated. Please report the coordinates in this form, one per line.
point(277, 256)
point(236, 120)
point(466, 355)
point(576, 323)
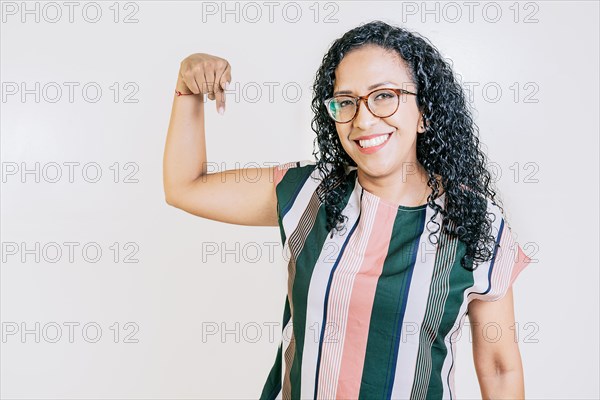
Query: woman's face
point(358, 73)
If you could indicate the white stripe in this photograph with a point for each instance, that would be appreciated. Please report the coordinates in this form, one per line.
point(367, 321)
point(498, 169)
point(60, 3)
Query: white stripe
point(506, 258)
point(449, 363)
point(290, 222)
point(292, 217)
point(480, 284)
point(286, 337)
point(316, 297)
point(481, 274)
point(439, 298)
point(340, 294)
point(415, 312)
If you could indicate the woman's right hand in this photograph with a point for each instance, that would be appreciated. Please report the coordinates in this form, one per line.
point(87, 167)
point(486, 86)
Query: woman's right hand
point(242, 196)
point(202, 73)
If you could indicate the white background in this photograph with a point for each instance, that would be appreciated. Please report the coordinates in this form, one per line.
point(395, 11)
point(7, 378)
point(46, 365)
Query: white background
point(177, 289)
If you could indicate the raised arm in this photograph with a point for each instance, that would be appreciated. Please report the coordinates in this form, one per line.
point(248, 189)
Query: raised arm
point(243, 197)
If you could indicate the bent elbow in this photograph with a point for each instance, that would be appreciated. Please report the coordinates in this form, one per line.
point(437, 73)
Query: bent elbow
point(170, 199)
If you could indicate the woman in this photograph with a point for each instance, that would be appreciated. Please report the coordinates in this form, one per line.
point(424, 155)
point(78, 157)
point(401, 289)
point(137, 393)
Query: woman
point(394, 232)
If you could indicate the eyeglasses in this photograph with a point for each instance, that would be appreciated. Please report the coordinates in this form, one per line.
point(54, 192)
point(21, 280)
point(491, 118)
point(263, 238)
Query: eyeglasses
point(381, 103)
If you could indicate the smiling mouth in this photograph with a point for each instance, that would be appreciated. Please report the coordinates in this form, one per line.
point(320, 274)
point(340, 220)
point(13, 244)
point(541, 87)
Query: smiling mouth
point(376, 141)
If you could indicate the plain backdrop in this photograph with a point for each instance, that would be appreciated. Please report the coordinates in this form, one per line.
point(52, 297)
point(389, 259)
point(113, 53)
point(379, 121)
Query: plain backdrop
point(108, 292)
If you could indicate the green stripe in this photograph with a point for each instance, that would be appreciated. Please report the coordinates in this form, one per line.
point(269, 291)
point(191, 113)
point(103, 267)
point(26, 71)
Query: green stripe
point(307, 258)
point(306, 261)
point(290, 184)
point(272, 386)
point(387, 313)
point(460, 280)
point(287, 191)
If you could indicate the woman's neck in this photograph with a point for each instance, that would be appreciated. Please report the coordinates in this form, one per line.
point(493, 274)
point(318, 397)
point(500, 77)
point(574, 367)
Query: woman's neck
point(407, 187)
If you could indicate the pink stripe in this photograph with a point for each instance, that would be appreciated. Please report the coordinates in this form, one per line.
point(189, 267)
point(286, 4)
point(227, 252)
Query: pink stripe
point(361, 303)
point(520, 264)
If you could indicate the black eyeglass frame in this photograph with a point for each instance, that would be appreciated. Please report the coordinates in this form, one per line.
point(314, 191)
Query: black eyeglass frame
point(365, 98)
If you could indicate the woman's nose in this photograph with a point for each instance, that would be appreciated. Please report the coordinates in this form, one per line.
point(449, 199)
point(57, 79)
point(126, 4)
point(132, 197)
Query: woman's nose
point(364, 118)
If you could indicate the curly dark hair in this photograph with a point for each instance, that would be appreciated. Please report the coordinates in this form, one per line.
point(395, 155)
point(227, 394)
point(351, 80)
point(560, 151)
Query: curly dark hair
point(449, 147)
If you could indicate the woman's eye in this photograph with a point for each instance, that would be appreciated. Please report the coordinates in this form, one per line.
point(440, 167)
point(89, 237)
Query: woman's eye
point(383, 96)
point(344, 103)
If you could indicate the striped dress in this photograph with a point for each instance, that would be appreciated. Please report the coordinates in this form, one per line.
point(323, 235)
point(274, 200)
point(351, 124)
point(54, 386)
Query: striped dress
point(375, 311)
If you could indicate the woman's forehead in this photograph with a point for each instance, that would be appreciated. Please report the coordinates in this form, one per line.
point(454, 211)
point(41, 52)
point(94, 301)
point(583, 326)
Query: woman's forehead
point(387, 83)
point(363, 68)
point(361, 84)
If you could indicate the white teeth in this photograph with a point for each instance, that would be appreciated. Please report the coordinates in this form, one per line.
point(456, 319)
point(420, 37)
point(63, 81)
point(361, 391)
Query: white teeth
point(373, 142)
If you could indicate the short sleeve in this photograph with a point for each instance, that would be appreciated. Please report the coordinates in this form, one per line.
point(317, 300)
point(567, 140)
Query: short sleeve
point(513, 252)
point(508, 261)
point(289, 179)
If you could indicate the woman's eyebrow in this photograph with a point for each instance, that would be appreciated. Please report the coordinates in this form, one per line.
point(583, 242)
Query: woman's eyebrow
point(369, 88)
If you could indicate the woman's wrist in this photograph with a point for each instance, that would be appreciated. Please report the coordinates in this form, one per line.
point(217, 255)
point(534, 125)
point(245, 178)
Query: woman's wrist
point(181, 87)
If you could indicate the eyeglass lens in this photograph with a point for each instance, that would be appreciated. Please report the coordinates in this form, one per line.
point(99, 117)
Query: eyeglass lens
point(382, 103)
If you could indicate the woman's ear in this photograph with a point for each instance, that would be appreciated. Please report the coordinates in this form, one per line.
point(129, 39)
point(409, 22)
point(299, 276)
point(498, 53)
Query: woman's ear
point(421, 124)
